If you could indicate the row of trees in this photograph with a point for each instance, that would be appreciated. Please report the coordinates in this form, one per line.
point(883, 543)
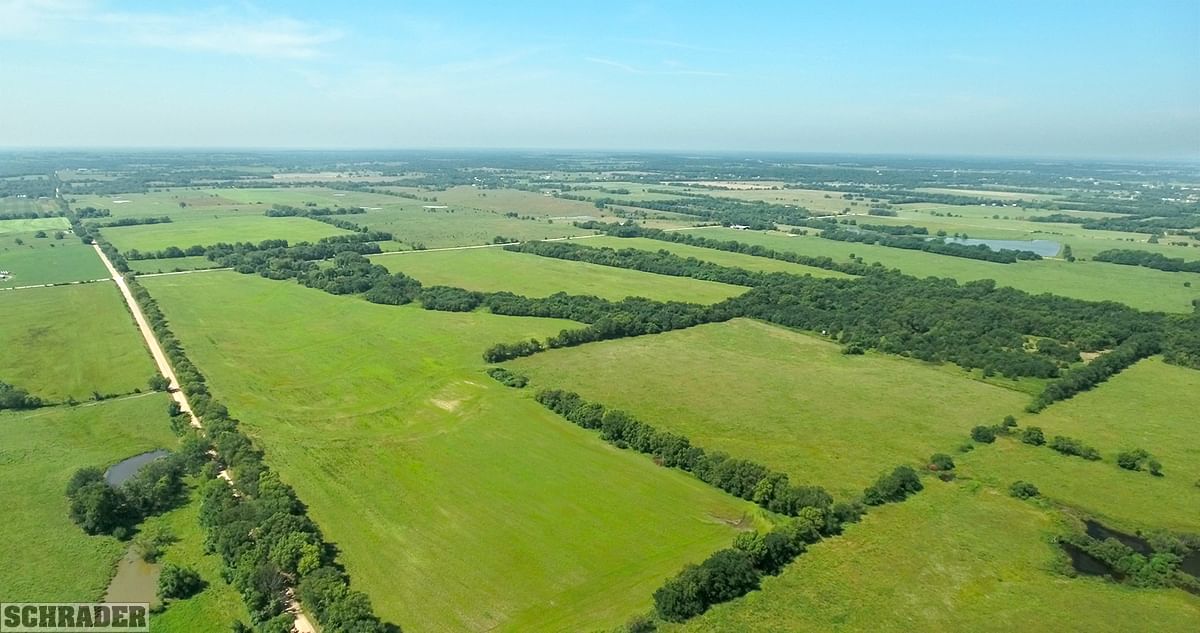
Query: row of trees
point(937, 246)
point(164, 219)
point(1102, 368)
point(1157, 261)
point(661, 262)
point(1153, 225)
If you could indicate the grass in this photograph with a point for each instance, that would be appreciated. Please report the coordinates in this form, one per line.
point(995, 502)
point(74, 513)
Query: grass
point(1093, 281)
point(174, 264)
point(413, 226)
point(950, 558)
point(457, 503)
point(46, 260)
point(1152, 406)
point(69, 341)
point(787, 400)
point(724, 258)
point(493, 269)
point(45, 556)
point(512, 200)
point(33, 225)
point(13, 204)
point(251, 228)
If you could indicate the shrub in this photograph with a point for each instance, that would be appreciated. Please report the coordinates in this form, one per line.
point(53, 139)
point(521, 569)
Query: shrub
point(1033, 436)
point(894, 486)
point(1072, 446)
point(178, 582)
point(983, 434)
point(1010, 421)
point(941, 461)
point(1023, 490)
point(1132, 459)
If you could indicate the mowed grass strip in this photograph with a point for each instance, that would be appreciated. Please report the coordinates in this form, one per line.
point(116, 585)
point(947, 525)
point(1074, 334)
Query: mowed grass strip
point(724, 258)
point(252, 228)
point(457, 503)
point(45, 260)
point(1152, 406)
point(1141, 288)
point(946, 559)
point(68, 341)
point(46, 557)
point(790, 401)
point(494, 269)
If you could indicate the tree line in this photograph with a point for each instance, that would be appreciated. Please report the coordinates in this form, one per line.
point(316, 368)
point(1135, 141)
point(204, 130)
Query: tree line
point(937, 246)
point(1157, 261)
point(12, 397)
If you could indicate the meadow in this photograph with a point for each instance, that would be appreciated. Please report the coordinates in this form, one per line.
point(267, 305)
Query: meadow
point(250, 228)
point(457, 503)
point(170, 265)
point(495, 269)
point(14, 204)
point(724, 258)
point(1138, 287)
point(32, 225)
point(46, 556)
point(790, 401)
point(951, 558)
point(415, 227)
point(45, 260)
point(1150, 406)
point(68, 341)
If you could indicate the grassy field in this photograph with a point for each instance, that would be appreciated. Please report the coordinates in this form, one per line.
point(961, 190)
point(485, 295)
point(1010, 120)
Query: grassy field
point(255, 228)
point(493, 269)
point(414, 226)
point(46, 260)
point(458, 504)
point(724, 258)
point(174, 264)
point(1152, 405)
point(218, 605)
point(70, 341)
point(45, 556)
point(790, 401)
point(1094, 281)
point(25, 205)
point(948, 559)
point(513, 200)
point(33, 225)
point(200, 203)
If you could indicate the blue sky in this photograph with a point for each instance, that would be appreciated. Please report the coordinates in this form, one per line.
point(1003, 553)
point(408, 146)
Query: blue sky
point(1049, 78)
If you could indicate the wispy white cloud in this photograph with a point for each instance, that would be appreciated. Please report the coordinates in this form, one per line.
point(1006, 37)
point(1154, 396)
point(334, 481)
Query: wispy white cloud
point(213, 31)
point(674, 66)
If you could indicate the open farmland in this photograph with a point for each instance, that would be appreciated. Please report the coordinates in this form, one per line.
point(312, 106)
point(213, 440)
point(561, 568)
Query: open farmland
point(71, 341)
point(952, 558)
point(502, 515)
point(33, 225)
point(1093, 281)
point(790, 400)
point(1144, 407)
point(46, 556)
point(416, 227)
point(495, 269)
point(724, 258)
point(153, 237)
point(46, 260)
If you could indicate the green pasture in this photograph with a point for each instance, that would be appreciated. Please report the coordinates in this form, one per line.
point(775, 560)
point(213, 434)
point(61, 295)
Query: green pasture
point(46, 557)
point(250, 228)
point(69, 341)
point(788, 400)
point(174, 264)
point(494, 269)
point(724, 258)
point(951, 558)
point(46, 260)
point(34, 225)
point(1152, 406)
point(416, 227)
point(457, 503)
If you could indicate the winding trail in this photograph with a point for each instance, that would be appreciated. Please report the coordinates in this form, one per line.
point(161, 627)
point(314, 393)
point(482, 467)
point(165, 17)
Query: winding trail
point(302, 623)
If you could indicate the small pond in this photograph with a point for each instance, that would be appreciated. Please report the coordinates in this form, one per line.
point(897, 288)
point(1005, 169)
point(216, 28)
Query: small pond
point(1045, 248)
point(120, 472)
point(1084, 562)
point(136, 580)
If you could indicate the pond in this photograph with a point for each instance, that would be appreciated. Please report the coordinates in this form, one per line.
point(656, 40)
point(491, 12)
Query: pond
point(1084, 562)
point(136, 580)
point(1100, 532)
point(120, 472)
point(1045, 248)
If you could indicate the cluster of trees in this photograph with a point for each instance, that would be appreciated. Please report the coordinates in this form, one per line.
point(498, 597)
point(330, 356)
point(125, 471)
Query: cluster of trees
point(1083, 378)
point(134, 221)
point(661, 262)
point(352, 273)
point(1071, 446)
point(892, 229)
point(450, 299)
point(1154, 225)
point(1157, 261)
point(940, 247)
point(508, 378)
point(99, 508)
point(1136, 459)
point(894, 486)
point(1158, 569)
point(881, 211)
point(1023, 490)
point(15, 398)
point(287, 211)
point(752, 213)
